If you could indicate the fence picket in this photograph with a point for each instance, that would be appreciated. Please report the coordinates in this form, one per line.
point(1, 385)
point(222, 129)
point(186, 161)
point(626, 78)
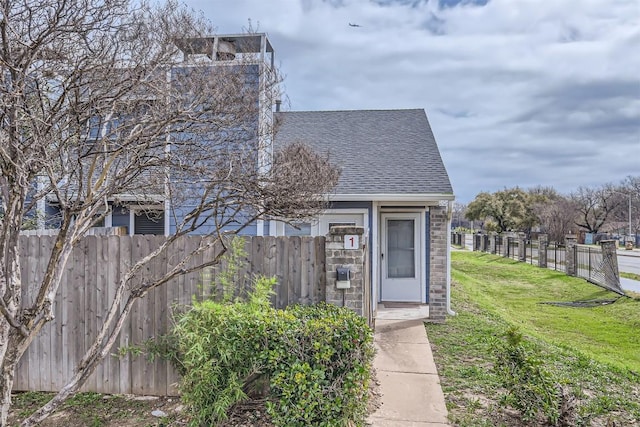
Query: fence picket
point(294, 274)
point(282, 268)
point(22, 370)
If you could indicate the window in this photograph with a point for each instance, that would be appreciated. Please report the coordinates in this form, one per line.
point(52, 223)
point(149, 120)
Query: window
point(148, 222)
point(298, 228)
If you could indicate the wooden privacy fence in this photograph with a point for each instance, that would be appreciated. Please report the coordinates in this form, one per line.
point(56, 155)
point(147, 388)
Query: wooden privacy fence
point(89, 285)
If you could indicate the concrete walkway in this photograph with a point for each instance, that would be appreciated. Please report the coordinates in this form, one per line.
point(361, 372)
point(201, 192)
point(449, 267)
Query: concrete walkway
point(409, 382)
point(630, 284)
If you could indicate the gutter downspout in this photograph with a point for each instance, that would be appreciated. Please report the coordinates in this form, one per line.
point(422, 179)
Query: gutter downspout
point(449, 215)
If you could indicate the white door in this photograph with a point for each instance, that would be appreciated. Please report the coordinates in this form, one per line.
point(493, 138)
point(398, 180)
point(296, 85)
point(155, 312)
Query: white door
point(400, 257)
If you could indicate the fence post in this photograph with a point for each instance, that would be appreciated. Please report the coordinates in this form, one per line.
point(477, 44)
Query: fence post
point(543, 242)
point(505, 244)
point(492, 242)
point(344, 248)
point(522, 247)
point(571, 242)
point(610, 263)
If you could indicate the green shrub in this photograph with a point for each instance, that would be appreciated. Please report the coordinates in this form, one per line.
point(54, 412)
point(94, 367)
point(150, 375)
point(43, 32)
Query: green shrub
point(316, 360)
point(219, 346)
point(530, 389)
point(322, 367)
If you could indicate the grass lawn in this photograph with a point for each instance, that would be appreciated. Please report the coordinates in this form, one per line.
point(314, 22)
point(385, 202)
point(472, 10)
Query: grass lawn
point(594, 352)
point(632, 276)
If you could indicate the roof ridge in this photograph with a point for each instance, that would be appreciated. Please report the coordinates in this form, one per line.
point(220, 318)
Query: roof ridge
point(353, 110)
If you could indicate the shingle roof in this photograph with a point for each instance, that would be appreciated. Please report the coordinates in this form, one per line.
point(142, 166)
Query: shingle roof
point(380, 151)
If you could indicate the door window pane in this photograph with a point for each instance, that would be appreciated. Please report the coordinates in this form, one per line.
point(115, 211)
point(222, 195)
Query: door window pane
point(401, 248)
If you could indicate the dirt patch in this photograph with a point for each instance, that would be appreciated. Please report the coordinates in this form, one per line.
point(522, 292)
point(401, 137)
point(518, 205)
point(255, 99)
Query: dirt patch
point(97, 410)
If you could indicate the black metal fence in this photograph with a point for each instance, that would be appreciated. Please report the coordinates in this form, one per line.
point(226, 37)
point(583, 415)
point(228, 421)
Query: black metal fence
point(587, 262)
point(497, 248)
point(512, 248)
point(557, 256)
point(530, 251)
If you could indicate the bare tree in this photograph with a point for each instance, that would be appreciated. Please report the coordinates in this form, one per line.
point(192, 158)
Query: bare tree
point(628, 210)
point(556, 216)
point(594, 206)
point(107, 103)
point(459, 210)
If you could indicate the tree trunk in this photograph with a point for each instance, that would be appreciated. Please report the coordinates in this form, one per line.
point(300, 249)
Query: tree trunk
point(6, 384)
point(8, 367)
point(11, 294)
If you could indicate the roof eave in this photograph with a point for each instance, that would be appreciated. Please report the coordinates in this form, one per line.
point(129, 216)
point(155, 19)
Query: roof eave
point(392, 197)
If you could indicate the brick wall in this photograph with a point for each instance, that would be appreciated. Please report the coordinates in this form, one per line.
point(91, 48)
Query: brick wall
point(438, 263)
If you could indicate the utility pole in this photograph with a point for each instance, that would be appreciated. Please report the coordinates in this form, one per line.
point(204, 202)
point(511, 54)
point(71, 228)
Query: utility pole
point(629, 215)
point(628, 195)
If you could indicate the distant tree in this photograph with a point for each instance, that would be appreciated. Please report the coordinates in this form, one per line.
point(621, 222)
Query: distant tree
point(536, 196)
point(632, 183)
point(556, 215)
point(506, 210)
point(546, 192)
point(459, 210)
point(481, 207)
point(594, 206)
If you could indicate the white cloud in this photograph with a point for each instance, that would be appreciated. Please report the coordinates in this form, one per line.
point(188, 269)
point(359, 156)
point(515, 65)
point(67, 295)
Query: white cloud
point(518, 92)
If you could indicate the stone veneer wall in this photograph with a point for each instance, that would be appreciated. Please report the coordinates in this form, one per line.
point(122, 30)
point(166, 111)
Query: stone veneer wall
point(338, 256)
point(543, 244)
point(570, 255)
point(522, 247)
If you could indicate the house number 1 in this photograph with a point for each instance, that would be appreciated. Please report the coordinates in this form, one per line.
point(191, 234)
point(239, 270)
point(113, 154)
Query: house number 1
point(351, 241)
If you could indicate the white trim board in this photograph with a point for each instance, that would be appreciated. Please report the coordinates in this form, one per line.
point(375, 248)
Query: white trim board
point(430, 199)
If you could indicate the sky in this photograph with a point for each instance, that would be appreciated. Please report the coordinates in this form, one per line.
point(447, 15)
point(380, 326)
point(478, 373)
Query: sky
point(517, 92)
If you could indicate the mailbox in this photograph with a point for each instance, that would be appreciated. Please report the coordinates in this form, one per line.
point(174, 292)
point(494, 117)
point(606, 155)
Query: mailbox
point(344, 278)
